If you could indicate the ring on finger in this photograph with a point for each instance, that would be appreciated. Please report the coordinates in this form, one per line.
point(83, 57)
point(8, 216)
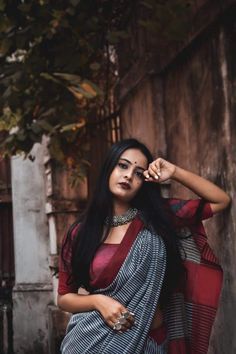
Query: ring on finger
point(117, 326)
point(125, 314)
point(122, 320)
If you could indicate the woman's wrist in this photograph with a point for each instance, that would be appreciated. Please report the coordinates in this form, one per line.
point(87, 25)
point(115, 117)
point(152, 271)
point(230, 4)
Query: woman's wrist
point(96, 301)
point(176, 176)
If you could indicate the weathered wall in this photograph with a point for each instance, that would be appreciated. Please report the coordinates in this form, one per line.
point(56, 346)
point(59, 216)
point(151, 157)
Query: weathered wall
point(143, 117)
point(33, 290)
point(200, 133)
point(189, 110)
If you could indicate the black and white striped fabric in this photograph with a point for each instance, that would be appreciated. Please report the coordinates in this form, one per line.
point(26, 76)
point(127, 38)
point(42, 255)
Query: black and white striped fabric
point(137, 286)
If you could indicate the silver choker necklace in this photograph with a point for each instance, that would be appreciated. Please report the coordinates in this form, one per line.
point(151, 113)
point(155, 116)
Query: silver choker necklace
point(118, 220)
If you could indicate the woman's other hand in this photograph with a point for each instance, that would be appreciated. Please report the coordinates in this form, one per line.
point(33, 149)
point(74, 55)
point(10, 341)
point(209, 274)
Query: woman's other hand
point(159, 170)
point(112, 311)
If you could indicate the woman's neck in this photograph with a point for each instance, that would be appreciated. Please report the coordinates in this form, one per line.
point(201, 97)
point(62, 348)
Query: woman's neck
point(120, 208)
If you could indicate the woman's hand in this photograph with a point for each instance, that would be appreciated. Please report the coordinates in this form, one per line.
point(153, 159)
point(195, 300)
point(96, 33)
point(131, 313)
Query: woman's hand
point(159, 170)
point(113, 312)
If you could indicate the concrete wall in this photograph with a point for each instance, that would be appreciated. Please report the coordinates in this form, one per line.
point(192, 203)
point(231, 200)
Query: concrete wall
point(185, 111)
point(33, 290)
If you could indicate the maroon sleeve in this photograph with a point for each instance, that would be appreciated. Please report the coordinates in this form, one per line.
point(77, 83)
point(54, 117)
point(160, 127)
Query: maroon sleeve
point(185, 211)
point(66, 283)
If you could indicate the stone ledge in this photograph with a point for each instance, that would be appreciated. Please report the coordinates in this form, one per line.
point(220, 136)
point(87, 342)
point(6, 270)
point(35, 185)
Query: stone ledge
point(63, 206)
point(26, 287)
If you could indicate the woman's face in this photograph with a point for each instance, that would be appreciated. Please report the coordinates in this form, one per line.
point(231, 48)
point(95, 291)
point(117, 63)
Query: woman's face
point(127, 177)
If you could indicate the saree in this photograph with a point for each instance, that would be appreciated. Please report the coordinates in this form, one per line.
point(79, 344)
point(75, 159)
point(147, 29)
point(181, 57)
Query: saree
point(190, 314)
point(137, 286)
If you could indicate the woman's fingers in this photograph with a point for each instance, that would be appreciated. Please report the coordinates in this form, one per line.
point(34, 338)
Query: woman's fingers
point(159, 170)
point(152, 169)
point(115, 315)
point(153, 173)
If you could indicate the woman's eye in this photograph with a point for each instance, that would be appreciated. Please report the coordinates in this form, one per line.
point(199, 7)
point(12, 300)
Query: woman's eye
point(140, 175)
point(122, 165)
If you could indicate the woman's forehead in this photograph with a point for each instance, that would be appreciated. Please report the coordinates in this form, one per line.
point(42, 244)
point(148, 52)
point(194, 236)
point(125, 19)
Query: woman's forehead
point(135, 156)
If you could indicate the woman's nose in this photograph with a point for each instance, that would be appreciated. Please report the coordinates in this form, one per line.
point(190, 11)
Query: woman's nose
point(128, 174)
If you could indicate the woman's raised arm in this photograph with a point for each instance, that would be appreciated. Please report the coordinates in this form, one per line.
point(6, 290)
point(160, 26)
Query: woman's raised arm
point(160, 170)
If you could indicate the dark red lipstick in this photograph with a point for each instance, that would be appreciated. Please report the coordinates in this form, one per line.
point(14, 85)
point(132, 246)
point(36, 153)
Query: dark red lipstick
point(125, 185)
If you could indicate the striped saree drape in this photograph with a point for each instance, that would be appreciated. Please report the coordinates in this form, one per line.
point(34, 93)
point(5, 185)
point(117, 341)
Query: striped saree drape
point(137, 286)
point(191, 312)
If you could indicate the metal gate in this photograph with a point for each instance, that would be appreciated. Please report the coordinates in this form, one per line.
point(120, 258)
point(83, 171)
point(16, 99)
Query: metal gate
point(103, 132)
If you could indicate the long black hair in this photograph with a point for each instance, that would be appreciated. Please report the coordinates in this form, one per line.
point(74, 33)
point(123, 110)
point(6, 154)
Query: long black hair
point(153, 209)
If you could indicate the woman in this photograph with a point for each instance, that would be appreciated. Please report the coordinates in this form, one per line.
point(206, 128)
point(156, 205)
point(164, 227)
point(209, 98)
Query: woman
point(133, 251)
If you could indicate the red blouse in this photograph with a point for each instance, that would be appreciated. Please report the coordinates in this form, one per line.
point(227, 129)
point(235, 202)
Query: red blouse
point(104, 278)
point(101, 260)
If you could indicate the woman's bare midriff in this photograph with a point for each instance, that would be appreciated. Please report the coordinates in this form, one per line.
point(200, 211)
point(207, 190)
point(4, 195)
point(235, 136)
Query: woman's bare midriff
point(158, 318)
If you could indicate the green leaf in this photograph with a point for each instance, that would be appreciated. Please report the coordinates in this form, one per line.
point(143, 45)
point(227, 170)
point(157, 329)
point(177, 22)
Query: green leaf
point(73, 126)
point(5, 24)
point(92, 85)
point(71, 78)
point(95, 66)
point(9, 139)
point(48, 113)
point(3, 125)
point(21, 135)
point(55, 149)
point(2, 5)
point(79, 92)
point(45, 125)
point(50, 77)
point(36, 128)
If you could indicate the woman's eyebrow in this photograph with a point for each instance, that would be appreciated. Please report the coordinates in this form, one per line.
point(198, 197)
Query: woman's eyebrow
point(130, 163)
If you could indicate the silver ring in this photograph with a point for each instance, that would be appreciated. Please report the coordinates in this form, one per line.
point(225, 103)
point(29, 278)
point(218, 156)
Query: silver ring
point(126, 314)
point(122, 320)
point(117, 326)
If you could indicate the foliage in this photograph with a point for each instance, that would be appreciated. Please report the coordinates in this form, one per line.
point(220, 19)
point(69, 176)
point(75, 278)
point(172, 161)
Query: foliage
point(56, 72)
point(58, 68)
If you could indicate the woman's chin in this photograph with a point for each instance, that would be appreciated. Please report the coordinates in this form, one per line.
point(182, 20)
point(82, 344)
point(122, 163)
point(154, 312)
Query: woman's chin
point(122, 197)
